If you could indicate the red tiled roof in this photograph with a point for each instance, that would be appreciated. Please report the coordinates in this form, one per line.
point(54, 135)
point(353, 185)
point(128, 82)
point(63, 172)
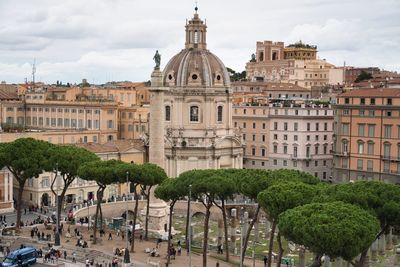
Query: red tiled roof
point(373, 92)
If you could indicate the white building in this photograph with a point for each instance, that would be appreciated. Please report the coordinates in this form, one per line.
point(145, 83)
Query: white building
point(191, 110)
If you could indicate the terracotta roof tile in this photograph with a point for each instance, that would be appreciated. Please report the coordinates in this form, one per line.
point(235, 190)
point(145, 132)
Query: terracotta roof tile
point(373, 92)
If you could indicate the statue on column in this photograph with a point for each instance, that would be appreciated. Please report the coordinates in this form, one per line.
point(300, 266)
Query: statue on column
point(157, 60)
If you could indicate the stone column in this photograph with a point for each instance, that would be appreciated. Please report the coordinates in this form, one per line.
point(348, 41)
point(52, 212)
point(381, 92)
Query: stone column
point(158, 212)
point(374, 251)
point(338, 262)
point(389, 239)
point(233, 231)
point(302, 256)
point(382, 244)
point(327, 262)
point(220, 231)
point(256, 231)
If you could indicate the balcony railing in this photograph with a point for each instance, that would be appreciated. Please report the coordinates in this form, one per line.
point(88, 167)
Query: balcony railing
point(389, 158)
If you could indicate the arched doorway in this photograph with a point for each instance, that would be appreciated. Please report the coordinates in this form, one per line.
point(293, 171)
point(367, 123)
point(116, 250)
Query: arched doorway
point(45, 200)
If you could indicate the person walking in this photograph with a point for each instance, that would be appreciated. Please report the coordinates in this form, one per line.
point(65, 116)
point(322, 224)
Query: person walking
point(265, 261)
point(74, 257)
point(110, 236)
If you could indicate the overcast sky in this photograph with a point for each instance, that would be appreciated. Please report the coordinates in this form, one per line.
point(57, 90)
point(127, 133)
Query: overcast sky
point(104, 40)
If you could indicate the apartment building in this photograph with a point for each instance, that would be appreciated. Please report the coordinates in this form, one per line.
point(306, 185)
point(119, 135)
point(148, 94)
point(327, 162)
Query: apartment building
point(367, 135)
point(37, 190)
point(287, 134)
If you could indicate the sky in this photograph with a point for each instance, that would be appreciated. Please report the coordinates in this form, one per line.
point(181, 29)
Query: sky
point(115, 40)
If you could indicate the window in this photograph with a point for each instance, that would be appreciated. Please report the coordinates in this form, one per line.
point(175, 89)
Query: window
point(295, 137)
point(308, 138)
point(275, 149)
point(275, 125)
point(359, 164)
point(110, 124)
point(285, 126)
point(386, 150)
point(284, 149)
point(263, 152)
point(325, 149)
point(316, 163)
point(253, 151)
point(324, 175)
point(284, 162)
point(295, 151)
point(263, 138)
point(361, 129)
point(295, 163)
point(307, 164)
point(371, 130)
point(389, 101)
point(254, 125)
point(361, 112)
point(263, 125)
point(372, 101)
point(360, 147)
point(254, 137)
point(388, 113)
point(316, 137)
point(316, 150)
point(346, 112)
point(345, 146)
point(324, 162)
point(325, 137)
point(325, 126)
point(244, 125)
point(235, 123)
point(296, 125)
point(308, 152)
point(109, 111)
point(194, 113)
point(362, 101)
point(253, 162)
point(285, 137)
point(370, 165)
point(386, 166)
point(244, 137)
point(244, 111)
point(370, 148)
point(308, 126)
point(317, 126)
point(219, 113)
point(167, 113)
point(371, 113)
point(275, 162)
point(387, 131)
point(275, 137)
point(345, 129)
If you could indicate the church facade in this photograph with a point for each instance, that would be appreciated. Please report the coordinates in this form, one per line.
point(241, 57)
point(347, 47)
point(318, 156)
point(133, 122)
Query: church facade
point(191, 110)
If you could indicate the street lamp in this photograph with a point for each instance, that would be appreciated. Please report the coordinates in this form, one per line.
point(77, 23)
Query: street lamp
point(57, 234)
point(190, 228)
point(126, 254)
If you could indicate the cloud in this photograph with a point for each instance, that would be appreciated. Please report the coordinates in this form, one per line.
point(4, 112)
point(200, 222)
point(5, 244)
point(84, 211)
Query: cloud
point(116, 39)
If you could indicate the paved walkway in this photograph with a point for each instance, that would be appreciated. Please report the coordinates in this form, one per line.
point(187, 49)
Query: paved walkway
point(103, 251)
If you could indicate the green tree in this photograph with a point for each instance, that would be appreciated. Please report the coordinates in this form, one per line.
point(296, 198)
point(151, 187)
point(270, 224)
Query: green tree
point(205, 188)
point(363, 76)
point(136, 178)
point(26, 159)
point(380, 199)
point(103, 172)
point(65, 161)
point(152, 175)
point(253, 181)
point(336, 229)
point(225, 189)
point(280, 197)
point(170, 190)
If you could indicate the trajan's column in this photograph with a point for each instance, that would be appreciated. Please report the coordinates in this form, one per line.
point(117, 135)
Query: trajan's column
point(158, 208)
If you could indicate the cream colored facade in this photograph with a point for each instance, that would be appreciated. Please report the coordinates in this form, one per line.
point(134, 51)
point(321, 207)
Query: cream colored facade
point(294, 135)
point(6, 192)
point(298, 65)
point(37, 190)
point(195, 98)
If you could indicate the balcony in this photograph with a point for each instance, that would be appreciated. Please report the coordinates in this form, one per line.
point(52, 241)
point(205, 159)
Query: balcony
point(339, 154)
point(392, 159)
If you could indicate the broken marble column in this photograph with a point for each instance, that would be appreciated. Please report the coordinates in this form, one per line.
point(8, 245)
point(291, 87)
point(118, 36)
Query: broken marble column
point(338, 262)
point(327, 262)
point(389, 239)
point(382, 244)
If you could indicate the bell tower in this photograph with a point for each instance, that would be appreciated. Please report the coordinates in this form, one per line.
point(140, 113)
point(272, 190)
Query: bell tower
point(196, 32)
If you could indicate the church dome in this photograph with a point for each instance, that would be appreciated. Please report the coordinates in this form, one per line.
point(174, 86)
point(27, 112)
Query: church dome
point(195, 65)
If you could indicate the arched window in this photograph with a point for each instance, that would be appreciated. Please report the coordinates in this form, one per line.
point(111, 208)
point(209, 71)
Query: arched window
point(194, 113)
point(167, 113)
point(360, 148)
point(196, 37)
point(219, 113)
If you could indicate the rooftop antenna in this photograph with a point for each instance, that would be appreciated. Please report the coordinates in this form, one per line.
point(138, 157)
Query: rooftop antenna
point(33, 71)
